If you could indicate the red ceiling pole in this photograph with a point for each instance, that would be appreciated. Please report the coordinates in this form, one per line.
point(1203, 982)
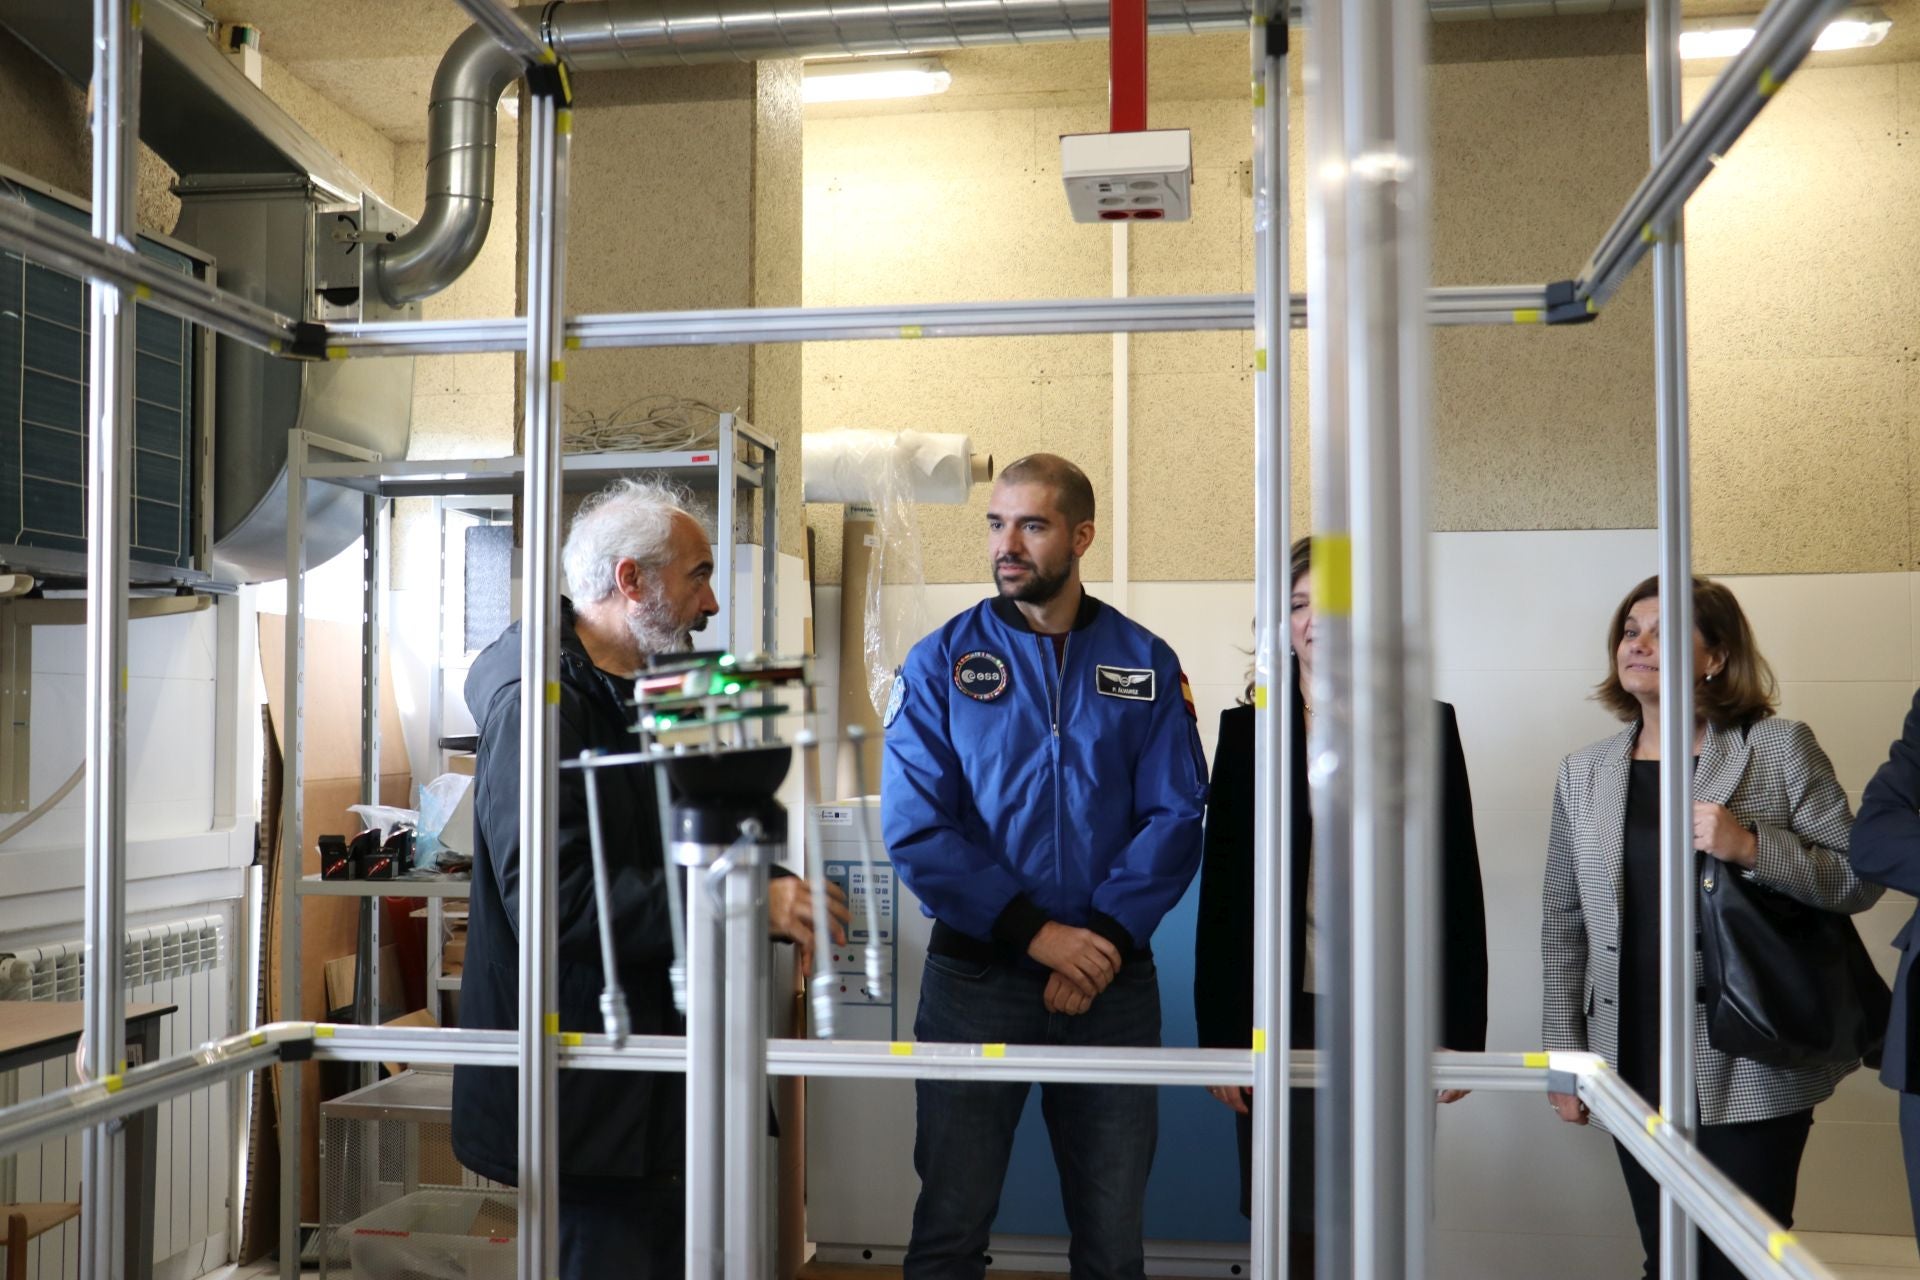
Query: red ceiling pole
point(1127, 66)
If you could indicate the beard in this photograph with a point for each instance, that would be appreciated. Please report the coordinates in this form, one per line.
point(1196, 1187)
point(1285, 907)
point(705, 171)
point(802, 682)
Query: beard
point(1040, 587)
point(655, 628)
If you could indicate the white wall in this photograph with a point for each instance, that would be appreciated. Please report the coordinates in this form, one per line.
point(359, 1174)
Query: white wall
point(1519, 644)
point(191, 770)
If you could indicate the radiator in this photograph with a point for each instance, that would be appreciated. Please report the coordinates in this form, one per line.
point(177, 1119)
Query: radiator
point(184, 963)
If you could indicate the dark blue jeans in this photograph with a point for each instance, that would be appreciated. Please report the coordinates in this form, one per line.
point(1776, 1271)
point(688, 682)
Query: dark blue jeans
point(1103, 1135)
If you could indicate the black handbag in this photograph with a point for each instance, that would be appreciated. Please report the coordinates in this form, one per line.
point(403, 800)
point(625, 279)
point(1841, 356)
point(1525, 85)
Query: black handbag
point(1785, 984)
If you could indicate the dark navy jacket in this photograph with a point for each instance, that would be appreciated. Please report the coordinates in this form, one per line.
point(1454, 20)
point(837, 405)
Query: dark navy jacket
point(1016, 792)
point(613, 1124)
point(1886, 850)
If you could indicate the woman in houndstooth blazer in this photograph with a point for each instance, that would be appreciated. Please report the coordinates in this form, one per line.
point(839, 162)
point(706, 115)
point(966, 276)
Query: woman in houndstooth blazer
point(1765, 803)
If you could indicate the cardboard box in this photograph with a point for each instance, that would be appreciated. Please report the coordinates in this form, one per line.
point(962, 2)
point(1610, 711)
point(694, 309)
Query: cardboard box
point(330, 748)
point(341, 973)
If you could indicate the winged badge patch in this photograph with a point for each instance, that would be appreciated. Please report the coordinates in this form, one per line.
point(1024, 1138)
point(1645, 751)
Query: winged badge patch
point(1124, 682)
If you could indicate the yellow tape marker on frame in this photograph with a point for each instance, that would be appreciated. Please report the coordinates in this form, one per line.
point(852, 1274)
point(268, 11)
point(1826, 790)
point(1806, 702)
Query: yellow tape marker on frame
point(111, 1083)
point(336, 353)
point(322, 1031)
point(1260, 359)
point(572, 343)
point(564, 120)
point(571, 1039)
point(912, 331)
point(1777, 1242)
point(257, 1038)
point(900, 1049)
point(1333, 574)
point(1259, 93)
point(993, 1051)
point(1534, 1060)
point(1654, 1123)
point(553, 693)
point(1259, 697)
point(1529, 315)
point(559, 370)
point(1259, 1039)
point(553, 1024)
point(1769, 83)
point(141, 293)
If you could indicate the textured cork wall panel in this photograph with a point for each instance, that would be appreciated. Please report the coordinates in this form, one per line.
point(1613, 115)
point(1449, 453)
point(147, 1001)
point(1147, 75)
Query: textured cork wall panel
point(1539, 429)
point(1800, 274)
point(775, 404)
point(1801, 465)
point(1792, 241)
point(661, 218)
point(1192, 457)
point(1534, 428)
point(361, 147)
point(46, 136)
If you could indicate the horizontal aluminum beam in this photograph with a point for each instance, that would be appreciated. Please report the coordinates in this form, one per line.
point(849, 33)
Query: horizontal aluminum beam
point(1783, 36)
point(1735, 1223)
point(500, 22)
point(111, 1097)
point(1523, 304)
point(1753, 1241)
point(56, 244)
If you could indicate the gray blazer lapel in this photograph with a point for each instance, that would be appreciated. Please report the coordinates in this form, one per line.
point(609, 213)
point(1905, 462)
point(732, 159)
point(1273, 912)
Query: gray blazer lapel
point(1723, 762)
point(1610, 813)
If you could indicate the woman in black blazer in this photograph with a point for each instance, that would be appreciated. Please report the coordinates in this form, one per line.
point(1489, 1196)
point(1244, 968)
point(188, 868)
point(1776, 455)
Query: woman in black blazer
point(1223, 958)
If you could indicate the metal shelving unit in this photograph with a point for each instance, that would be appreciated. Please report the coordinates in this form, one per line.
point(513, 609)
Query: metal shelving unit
point(739, 459)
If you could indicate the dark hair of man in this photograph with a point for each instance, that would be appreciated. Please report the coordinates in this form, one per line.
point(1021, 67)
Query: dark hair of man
point(1072, 491)
point(1743, 690)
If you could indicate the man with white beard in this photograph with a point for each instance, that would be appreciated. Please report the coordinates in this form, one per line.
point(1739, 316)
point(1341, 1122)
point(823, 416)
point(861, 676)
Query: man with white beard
point(639, 571)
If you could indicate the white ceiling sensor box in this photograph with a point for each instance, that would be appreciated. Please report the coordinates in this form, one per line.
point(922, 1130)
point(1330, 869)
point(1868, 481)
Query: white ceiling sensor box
point(1120, 177)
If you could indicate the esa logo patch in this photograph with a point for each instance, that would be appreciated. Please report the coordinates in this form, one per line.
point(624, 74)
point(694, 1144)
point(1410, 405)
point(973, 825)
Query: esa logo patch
point(980, 675)
point(1124, 682)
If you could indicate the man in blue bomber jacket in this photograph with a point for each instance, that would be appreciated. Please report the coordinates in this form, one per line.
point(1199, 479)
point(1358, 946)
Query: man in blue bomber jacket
point(1042, 798)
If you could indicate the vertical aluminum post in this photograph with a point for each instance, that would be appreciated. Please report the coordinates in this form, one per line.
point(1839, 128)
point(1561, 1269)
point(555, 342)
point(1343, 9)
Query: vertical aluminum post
point(1370, 162)
point(292, 817)
point(549, 124)
point(706, 1059)
point(116, 135)
point(1678, 1259)
point(745, 1163)
point(373, 554)
point(1329, 746)
point(1273, 673)
point(727, 448)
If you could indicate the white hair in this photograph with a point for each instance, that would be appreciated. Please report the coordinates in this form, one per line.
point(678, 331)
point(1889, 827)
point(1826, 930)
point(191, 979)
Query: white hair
point(628, 520)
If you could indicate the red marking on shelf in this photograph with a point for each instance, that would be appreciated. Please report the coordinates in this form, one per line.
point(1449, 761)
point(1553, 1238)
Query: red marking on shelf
point(702, 457)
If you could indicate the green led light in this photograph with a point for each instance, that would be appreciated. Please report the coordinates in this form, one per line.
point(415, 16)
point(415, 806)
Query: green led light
point(732, 688)
point(727, 659)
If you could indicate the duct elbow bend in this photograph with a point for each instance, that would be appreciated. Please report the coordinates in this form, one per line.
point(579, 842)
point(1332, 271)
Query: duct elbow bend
point(442, 245)
point(461, 151)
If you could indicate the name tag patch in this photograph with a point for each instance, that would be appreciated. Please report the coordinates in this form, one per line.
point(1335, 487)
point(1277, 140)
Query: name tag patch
point(1124, 682)
point(980, 675)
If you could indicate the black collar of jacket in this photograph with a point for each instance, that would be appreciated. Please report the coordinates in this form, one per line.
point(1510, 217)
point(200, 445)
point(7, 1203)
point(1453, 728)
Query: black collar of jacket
point(1009, 612)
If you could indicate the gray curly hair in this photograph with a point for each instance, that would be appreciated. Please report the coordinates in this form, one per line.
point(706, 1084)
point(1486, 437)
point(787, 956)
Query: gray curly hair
point(628, 520)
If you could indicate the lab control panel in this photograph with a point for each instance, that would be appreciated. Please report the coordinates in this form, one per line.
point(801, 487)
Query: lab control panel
point(863, 1013)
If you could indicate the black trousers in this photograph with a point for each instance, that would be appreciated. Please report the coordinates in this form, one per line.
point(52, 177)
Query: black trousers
point(1762, 1158)
point(637, 1234)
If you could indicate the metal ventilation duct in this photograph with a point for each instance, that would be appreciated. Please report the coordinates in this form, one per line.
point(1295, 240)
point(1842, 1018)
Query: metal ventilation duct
point(603, 35)
point(262, 197)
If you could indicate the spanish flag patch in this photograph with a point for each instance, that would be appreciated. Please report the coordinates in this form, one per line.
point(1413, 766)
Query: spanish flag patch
point(1186, 695)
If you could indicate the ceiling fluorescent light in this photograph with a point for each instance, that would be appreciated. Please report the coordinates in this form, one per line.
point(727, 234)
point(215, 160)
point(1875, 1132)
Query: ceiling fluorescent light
point(1855, 28)
point(867, 81)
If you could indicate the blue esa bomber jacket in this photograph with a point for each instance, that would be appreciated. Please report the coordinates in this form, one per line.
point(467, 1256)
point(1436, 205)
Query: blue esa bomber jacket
point(1017, 791)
